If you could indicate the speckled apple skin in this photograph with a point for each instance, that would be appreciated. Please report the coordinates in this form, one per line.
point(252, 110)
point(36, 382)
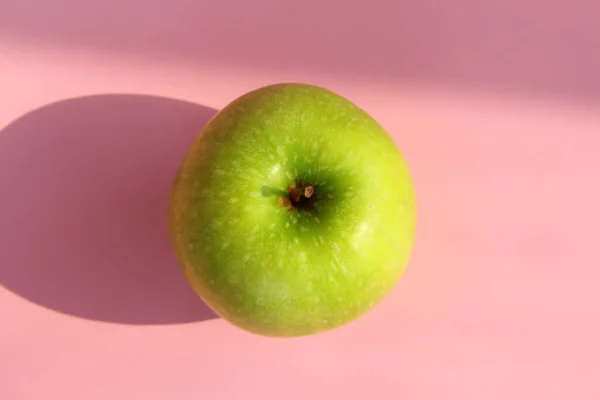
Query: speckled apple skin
point(279, 271)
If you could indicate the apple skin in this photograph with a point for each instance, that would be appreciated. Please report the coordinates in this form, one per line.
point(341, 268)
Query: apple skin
point(278, 269)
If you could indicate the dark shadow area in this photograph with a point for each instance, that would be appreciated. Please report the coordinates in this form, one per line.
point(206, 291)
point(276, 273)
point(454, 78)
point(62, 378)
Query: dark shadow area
point(532, 46)
point(84, 186)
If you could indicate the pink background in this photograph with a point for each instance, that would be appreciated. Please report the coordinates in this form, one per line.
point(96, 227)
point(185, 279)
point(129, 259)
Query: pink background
point(496, 107)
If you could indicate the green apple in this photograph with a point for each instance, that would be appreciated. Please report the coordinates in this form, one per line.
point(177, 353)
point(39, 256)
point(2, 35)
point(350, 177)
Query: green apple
point(293, 212)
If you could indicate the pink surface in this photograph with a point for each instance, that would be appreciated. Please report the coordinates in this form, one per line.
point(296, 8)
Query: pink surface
point(497, 110)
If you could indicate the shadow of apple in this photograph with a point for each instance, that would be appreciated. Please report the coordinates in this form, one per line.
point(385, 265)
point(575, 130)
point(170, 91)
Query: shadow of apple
point(84, 188)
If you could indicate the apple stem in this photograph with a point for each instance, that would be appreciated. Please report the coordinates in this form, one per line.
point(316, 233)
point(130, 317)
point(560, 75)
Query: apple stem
point(309, 191)
point(300, 197)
